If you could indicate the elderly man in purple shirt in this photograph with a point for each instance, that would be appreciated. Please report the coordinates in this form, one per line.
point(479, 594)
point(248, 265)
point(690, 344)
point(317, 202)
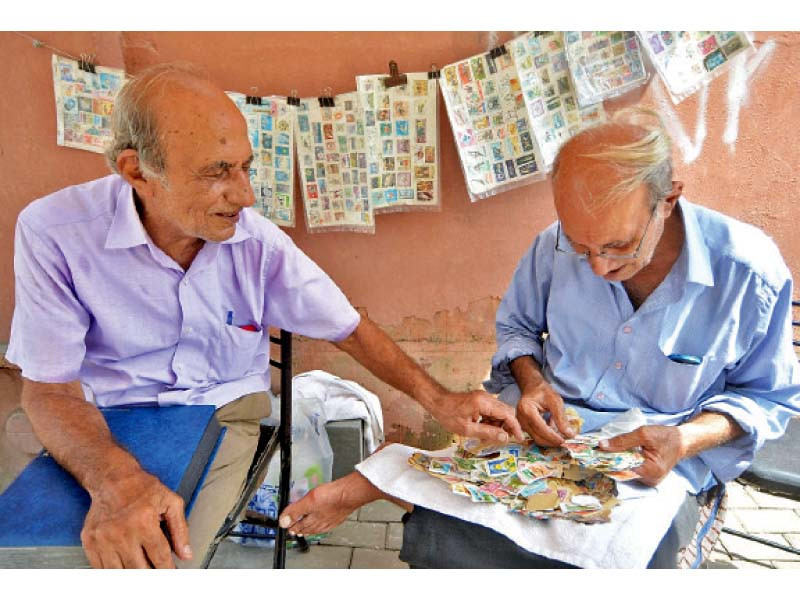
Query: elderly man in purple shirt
point(156, 285)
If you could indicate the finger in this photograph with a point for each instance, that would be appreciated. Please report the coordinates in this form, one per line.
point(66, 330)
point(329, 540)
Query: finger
point(178, 529)
point(557, 413)
point(109, 559)
point(624, 441)
point(486, 432)
point(156, 548)
point(498, 411)
point(541, 433)
point(93, 558)
point(134, 558)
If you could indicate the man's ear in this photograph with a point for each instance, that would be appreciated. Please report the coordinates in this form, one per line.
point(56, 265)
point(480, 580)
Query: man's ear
point(671, 201)
point(131, 171)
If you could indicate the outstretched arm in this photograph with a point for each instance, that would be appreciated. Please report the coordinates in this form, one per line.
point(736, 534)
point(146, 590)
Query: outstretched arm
point(476, 414)
point(123, 525)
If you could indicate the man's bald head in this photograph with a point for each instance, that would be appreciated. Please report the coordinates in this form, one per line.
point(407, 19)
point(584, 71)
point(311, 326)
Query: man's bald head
point(152, 100)
point(607, 162)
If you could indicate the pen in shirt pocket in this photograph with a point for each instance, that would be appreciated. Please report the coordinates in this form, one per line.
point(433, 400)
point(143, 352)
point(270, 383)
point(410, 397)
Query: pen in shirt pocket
point(246, 327)
point(686, 359)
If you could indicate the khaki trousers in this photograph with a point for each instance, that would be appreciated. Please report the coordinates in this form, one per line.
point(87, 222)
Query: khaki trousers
point(226, 477)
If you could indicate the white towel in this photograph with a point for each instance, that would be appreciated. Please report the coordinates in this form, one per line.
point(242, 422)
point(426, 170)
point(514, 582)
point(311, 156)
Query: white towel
point(343, 399)
point(627, 541)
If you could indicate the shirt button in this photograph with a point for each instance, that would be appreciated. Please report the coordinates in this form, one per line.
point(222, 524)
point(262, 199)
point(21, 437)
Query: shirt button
point(600, 395)
point(618, 365)
point(627, 329)
point(187, 330)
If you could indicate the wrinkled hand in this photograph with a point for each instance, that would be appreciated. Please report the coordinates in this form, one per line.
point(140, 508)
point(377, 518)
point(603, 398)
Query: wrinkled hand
point(533, 404)
point(123, 526)
point(660, 445)
point(477, 414)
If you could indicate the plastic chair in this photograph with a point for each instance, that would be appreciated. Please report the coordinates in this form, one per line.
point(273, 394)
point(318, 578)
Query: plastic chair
point(270, 438)
point(776, 468)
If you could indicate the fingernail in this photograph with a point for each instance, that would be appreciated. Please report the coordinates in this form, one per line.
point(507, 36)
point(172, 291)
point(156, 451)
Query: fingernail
point(187, 551)
point(603, 445)
point(284, 521)
point(570, 432)
point(502, 436)
point(292, 532)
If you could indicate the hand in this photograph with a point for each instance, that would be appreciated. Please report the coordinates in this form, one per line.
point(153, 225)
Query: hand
point(123, 525)
point(661, 446)
point(476, 414)
point(536, 401)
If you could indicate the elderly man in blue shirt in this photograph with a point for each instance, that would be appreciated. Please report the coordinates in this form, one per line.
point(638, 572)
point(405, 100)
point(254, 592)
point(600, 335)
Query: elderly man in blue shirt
point(635, 298)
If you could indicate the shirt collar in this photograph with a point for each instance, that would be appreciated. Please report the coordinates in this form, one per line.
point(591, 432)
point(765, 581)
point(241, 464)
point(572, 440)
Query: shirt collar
point(698, 259)
point(127, 231)
point(126, 228)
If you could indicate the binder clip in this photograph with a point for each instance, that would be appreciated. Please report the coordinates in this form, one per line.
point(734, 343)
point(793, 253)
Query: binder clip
point(86, 63)
point(434, 73)
point(254, 100)
point(498, 51)
point(292, 99)
point(326, 100)
point(395, 78)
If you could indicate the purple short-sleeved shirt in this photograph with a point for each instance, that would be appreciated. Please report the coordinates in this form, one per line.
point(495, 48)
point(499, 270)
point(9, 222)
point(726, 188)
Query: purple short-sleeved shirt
point(97, 301)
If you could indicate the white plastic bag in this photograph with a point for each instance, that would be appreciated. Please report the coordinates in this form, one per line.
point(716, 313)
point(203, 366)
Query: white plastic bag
point(312, 463)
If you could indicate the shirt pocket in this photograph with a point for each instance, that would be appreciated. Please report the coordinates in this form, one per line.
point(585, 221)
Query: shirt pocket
point(236, 352)
point(673, 387)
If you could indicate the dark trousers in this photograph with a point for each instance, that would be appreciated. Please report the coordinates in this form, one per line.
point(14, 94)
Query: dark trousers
point(433, 540)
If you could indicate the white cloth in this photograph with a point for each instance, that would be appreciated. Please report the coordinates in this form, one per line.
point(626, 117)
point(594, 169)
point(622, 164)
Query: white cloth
point(628, 541)
point(343, 399)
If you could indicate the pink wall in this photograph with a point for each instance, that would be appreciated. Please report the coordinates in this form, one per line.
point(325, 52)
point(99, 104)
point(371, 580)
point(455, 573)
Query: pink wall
point(432, 279)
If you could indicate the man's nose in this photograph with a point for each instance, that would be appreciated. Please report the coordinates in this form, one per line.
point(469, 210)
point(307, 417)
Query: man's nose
point(600, 266)
point(240, 191)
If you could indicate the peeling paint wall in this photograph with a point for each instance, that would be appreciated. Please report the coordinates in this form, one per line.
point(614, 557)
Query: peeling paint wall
point(433, 280)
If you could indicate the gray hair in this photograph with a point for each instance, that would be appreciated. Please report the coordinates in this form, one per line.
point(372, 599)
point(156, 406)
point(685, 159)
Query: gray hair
point(133, 121)
point(647, 159)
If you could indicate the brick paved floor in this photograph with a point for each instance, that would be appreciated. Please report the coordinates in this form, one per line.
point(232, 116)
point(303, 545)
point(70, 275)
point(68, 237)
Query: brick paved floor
point(371, 539)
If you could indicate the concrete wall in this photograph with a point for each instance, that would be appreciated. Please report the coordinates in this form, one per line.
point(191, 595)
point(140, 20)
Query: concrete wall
point(433, 280)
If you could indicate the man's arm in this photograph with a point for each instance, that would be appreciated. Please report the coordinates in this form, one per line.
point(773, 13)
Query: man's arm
point(123, 525)
point(664, 446)
point(476, 414)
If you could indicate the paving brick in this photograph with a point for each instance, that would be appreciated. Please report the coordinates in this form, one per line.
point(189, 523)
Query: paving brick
point(381, 511)
point(769, 501)
point(394, 536)
point(356, 533)
point(744, 564)
point(769, 520)
point(743, 548)
point(793, 538)
point(366, 558)
point(235, 556)
point(738, 497)
point(786, 564)
point(353, 516)
point(732, 520)
point(718, 559)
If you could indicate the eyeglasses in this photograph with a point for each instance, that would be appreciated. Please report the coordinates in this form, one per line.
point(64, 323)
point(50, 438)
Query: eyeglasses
point(564, 246)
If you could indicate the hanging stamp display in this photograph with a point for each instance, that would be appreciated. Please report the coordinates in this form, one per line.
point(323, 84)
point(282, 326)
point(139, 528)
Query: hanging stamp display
point(84, 95)
point(270, 125)
point(604, 64)
point(491, 123)
point(544, 76)
point(687, 59)
point(401, 133)
point(332, 159)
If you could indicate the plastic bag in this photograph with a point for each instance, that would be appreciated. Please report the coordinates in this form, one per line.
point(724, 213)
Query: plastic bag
point(312, 463)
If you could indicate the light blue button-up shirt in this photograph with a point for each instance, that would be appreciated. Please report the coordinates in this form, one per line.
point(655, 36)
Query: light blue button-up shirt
point(97, 301)
point(726, 300)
